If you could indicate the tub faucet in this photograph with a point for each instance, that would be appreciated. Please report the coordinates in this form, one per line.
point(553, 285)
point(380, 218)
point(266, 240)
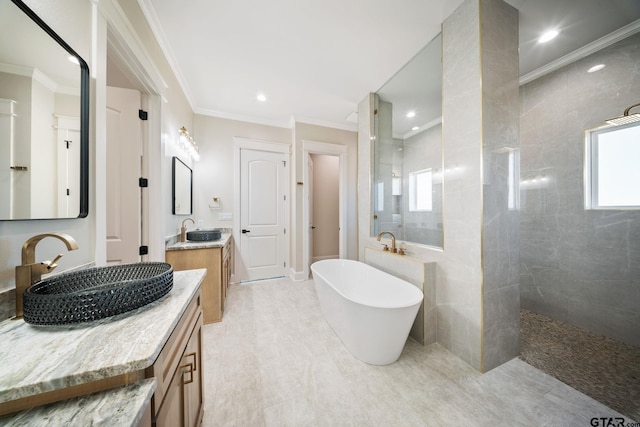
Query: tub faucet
point(393, 241)
point(183, 229)
point(30, 272)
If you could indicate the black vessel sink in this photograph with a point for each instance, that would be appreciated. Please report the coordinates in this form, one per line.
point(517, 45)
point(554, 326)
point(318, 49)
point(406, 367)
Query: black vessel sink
point(96, 293)
point(204, 235)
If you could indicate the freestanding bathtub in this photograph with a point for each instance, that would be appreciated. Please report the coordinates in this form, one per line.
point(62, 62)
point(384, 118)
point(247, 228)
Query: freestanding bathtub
point(370, 311)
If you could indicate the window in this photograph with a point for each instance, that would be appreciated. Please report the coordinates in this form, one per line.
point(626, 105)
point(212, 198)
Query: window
point(420, 192)
point(612, 175)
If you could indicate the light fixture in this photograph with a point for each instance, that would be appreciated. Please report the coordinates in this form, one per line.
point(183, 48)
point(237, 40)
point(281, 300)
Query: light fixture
point(596, 68)
point(188, 144)
point(626, 118)
point(261, 97)
point(411, 114)
point(415, 128)
point(548, 36)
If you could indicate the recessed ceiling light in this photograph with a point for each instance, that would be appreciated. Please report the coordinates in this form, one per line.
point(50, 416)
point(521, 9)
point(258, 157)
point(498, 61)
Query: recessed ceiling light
point(411, 114)
point(415, 128)
point(596, 68)
point(548, 36)
point(261, 97)
point(74, 59)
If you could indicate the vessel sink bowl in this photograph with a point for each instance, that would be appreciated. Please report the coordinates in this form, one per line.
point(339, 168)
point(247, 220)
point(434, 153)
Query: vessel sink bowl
point(96, 293)
point(204, 235)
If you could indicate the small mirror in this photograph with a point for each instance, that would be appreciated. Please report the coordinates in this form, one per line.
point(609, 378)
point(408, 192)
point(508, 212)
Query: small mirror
point(407, 151)
point(44, 120)
point(182, 187)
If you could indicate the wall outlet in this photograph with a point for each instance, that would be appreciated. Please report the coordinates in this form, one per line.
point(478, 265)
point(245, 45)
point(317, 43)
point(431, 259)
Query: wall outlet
point(225, 216)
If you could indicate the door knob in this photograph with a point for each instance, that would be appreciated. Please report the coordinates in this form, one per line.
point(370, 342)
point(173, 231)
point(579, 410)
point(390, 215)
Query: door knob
point(245, 231)
point(313, 227)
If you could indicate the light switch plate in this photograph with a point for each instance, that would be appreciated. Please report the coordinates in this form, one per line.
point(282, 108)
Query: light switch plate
point(225, 216)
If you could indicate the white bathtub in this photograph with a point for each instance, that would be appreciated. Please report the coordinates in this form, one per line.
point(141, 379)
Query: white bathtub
point(370, 311)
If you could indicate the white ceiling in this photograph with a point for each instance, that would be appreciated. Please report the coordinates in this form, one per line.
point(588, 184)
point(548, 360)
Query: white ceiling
point(316, 60)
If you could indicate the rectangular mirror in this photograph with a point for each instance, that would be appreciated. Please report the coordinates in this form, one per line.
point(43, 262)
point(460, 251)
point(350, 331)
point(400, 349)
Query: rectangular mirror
point(182, 188)
point(407, 151)
point(44, 120)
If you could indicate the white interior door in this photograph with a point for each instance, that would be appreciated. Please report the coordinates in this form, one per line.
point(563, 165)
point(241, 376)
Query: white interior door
point(311, 222)
point(124, 155)
point(68, 151)
point(263, 204)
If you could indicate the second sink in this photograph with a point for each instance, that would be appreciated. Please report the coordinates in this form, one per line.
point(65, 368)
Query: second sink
point(204, 235)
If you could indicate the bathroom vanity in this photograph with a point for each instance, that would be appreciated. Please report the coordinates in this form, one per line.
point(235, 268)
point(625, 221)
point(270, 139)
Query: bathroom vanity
point(143, 367)
point(217, 257)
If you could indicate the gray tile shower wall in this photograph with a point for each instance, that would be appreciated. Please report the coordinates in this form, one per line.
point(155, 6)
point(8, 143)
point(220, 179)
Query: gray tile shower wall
point(578, 266)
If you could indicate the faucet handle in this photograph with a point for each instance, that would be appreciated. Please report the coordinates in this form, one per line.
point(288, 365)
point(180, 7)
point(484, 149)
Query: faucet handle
point(52, 264)
point(385, 248)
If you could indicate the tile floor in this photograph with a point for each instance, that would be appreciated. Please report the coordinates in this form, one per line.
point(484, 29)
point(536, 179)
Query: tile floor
point(274, 361)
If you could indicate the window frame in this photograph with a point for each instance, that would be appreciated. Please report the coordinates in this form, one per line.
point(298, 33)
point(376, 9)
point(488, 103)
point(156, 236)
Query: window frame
point(591, 172)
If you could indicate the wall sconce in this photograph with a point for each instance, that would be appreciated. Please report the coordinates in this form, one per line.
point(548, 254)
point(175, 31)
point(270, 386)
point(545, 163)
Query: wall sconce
point(188, 144)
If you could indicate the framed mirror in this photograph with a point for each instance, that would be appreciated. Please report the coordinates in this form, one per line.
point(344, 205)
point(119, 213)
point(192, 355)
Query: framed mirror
point(406, 191)
point(44, 120)
point(182, 193)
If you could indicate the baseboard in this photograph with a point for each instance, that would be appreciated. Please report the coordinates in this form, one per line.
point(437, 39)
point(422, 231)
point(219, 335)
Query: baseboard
point(298, 276)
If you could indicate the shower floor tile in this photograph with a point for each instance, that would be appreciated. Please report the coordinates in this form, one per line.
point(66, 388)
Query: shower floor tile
point(598, 366)
point(274, 361)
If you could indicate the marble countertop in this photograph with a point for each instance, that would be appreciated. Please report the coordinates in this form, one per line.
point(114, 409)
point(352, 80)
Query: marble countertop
point(38, 359)
point(122, 406)
point(180, 246)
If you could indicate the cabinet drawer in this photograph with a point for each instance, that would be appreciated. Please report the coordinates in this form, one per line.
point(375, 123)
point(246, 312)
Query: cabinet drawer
point(171, 354)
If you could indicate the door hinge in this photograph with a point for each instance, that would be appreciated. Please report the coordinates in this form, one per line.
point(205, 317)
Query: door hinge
point(143, 182)
point(67, 142)
point(143, 115)
point(285, 197)
point(285, 231)
point(144, 250)
point(68, 192)
point(284, 264)
point(284, 163)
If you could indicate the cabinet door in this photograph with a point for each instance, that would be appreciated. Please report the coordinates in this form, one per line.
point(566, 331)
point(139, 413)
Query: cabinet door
point(225, 280)
point(192, 378)
point(171, 413)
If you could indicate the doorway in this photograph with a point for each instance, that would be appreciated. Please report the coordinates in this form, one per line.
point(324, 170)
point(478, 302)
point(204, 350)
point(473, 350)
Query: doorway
point(324, 202)
point(128, 66)
point(338, 153)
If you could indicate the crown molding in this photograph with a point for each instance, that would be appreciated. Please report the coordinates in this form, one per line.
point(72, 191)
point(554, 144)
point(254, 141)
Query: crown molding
point(326, 124)
point(156, 27)
point(586, 50)
point(242, 118)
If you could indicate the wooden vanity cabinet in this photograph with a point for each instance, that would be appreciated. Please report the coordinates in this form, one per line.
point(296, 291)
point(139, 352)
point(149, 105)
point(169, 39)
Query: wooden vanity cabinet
point(219, 264)
point(178, 399)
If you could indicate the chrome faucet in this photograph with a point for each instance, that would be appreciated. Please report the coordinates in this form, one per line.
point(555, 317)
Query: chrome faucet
point(30, 272)
point(183, 229)
point(393, 241)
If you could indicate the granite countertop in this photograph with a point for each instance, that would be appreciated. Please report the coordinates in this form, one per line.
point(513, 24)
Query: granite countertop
point(122, 406)
point(38, 359)
point(180, 246)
